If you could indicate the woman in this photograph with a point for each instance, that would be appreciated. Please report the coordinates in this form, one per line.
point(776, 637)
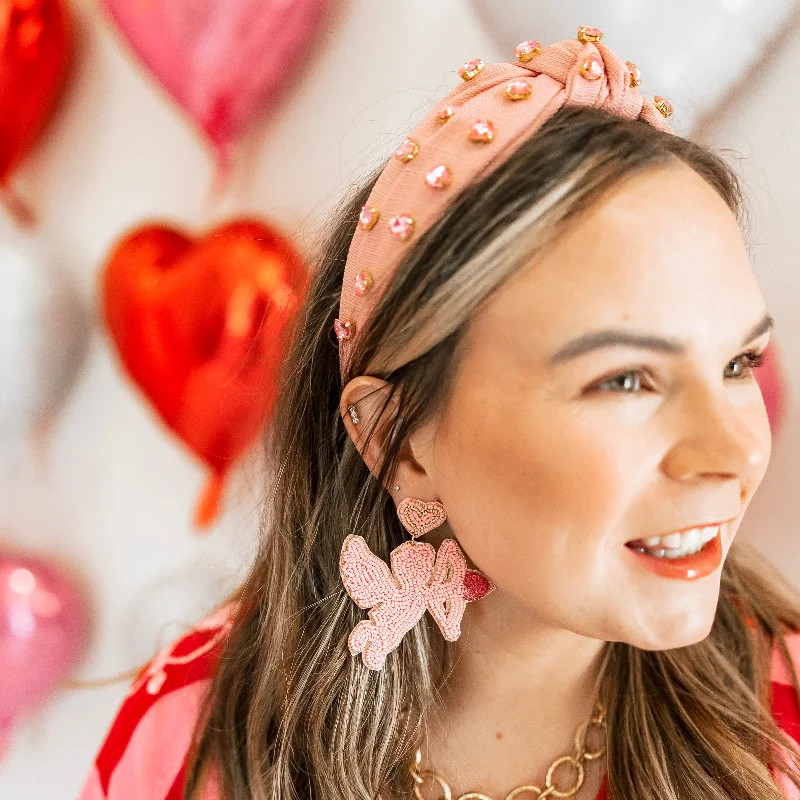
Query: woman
point(532, 341)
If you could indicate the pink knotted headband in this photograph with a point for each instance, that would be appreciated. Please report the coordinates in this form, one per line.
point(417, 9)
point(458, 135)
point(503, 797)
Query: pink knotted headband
point(469, 133)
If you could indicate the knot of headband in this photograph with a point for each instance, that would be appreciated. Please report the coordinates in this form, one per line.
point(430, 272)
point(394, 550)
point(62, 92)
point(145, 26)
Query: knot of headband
point(471, 131)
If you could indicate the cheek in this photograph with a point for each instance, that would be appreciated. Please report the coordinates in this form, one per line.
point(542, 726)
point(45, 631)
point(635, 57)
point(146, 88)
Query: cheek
point(534, 492)
point(756, 420)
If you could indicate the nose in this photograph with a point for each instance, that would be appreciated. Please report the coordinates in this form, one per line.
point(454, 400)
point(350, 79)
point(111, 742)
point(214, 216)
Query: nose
point(720, 438)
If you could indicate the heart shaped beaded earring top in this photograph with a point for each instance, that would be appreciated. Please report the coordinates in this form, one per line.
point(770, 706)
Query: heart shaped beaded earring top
point(420, 517)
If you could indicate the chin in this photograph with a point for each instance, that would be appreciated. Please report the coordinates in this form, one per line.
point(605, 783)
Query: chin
point(670, 631)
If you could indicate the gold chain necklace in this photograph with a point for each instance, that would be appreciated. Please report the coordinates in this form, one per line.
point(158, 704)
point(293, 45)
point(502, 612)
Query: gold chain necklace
point(581, 754)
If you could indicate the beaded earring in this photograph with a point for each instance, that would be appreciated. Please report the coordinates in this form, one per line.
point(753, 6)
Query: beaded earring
point(419, 578)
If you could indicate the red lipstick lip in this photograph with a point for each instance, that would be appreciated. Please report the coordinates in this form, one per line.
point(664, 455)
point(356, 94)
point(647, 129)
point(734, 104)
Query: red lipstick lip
point(687, 568)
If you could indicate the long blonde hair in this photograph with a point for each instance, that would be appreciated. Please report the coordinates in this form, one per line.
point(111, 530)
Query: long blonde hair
point(291, 714)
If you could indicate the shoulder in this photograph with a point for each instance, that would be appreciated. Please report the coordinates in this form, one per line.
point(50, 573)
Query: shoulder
point(143, 755)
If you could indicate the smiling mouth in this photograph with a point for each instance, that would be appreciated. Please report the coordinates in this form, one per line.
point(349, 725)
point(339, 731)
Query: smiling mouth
point(685, 555)
point(676, 545)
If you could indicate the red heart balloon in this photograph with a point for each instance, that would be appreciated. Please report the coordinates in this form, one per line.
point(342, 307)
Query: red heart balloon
point(35, 50)
point(200, 327)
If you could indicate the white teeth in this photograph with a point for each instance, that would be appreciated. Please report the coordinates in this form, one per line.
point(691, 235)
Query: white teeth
point(653, 541)
point(691, 541)
point(707, 534)
point(676, 545)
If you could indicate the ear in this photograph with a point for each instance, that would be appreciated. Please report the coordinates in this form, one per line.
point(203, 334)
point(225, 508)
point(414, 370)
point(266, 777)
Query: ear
point(368, 396)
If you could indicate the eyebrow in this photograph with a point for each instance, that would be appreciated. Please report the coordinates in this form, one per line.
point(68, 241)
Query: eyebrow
point(615, 337)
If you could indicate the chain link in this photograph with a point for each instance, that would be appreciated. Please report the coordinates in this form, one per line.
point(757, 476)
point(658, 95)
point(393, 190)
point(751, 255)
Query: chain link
point(575, 761)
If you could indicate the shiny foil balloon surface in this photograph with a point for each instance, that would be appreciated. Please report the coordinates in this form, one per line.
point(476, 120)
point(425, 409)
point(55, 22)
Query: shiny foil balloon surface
point(221, 60)
point(44, 627)
point(199, 325)
point(773, 387)
point(35, 50)
point(44, 333)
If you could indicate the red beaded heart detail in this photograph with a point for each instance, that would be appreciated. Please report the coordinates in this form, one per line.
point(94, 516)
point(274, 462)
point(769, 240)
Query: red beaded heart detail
point(419, 517)
point(476, 585)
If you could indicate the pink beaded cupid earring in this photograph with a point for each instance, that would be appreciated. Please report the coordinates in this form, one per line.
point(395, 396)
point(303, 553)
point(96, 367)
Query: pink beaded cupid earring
point(419, 578)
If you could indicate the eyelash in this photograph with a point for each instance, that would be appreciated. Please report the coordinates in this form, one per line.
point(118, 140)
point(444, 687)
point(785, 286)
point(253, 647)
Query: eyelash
point(754, 361)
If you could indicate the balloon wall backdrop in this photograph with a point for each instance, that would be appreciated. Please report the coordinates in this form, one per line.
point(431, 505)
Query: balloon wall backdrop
point(44, 333)
point(692, 63)
point(198, 316)
point(222, 61)
point(44, 625)
point(773, 387)
point(35, 50)
point(199, 325)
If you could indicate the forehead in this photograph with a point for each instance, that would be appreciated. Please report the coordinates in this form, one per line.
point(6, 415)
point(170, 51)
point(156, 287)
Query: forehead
point(661, 251)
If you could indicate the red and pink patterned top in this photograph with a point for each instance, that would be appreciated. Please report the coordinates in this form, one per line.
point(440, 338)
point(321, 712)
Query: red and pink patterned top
point(144, 754)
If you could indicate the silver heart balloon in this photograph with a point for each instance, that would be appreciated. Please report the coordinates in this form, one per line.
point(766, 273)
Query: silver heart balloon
point(43, 331)
point(690, 51)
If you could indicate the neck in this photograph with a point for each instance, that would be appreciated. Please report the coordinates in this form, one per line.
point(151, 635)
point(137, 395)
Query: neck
point(518, 691)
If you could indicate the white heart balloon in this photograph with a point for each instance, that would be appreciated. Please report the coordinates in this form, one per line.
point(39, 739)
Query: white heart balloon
point(690, 51)
point(43, 331)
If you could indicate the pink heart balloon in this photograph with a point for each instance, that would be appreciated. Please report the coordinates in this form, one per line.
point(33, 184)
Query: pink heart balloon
point(222, 60)
point(772, 387)
point(43, 630)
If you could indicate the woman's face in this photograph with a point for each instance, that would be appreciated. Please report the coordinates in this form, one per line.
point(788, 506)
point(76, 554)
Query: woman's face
point(559, 445)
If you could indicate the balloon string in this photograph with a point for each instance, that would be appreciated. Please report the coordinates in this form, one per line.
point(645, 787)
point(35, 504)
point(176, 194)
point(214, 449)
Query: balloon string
point(208, 506)
point(222, 176)
point(99, 683)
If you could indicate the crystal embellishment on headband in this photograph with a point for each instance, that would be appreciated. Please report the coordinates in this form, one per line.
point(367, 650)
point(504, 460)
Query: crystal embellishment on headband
point(663, 105)
point(518, 90)
point(470, 69)
point(343, 330)
point(439, 177)
point(481, 131)
point(407, 150)
point(363, 282)
point(368, 218)
point(586, 33)
point(636, 74)
point(592, 68)
point(525, 51)
point(402, 226)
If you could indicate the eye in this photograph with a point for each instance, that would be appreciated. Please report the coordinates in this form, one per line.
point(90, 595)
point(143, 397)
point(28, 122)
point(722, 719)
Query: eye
point(630, 380)
point(746, 363)
point(626, 382)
